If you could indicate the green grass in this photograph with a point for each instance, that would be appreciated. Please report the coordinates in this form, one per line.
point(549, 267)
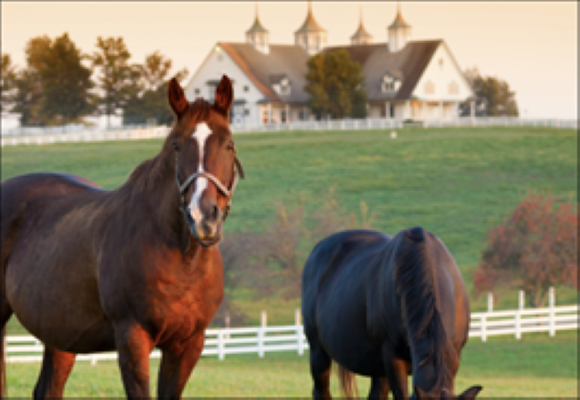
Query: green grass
point(455, 182)
point(535, 366)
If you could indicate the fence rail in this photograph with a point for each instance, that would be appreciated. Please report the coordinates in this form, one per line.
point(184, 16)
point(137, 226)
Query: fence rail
point(48, 135)
point(263, 339)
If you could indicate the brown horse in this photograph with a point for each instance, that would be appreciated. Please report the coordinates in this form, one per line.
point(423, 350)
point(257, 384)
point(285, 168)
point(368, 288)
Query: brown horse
point(87, 270)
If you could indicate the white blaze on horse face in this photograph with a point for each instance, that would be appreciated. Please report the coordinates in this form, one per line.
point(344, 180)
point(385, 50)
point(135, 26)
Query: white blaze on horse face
point(201, 134)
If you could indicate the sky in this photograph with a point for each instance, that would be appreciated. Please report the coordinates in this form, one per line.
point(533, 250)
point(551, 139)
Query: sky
point(531, 45)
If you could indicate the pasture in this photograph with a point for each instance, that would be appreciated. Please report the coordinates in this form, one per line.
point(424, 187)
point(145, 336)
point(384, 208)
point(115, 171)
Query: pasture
point(536, 366)
point(455, 182)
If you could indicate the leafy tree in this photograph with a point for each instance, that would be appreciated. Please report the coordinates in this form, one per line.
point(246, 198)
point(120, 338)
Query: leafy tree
point(335, 86)
point(533, 249)
point(8, 83)
point(148, 92)
point(112, 59)
point(493, 97)
point(59, 81)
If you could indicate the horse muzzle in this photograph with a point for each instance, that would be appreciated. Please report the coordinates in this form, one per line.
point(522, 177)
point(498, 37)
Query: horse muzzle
point(208, 231)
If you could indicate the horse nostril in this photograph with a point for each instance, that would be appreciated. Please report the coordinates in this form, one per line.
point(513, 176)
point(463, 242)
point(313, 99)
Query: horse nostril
point(215, 212)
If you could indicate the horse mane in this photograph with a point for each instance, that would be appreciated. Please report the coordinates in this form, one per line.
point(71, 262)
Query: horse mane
point(146, 175)
point(415, 279)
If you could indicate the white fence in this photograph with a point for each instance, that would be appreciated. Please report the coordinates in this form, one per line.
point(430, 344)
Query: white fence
point(263, 339)
point(35, 136)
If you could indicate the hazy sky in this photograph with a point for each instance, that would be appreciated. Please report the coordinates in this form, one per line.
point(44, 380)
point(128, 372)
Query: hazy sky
point(533, 46)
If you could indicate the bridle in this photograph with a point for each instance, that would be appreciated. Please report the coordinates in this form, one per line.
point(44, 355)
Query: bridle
point(228, 193)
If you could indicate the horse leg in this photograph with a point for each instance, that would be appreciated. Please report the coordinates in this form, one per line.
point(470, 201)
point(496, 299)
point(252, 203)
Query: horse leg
point(176, 367)
point(397, 372)
point(320, 364)
point(56, 368)
point(134, 346)
point(379, 388)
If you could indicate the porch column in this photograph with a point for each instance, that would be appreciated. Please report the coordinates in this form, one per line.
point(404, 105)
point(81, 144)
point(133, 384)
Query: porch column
point(407, 109)
point(472, 108)
point(304, 115)
point(269, 113)
point(388, 110)
point(424, 110)
point(287, 113)
point(440, 109)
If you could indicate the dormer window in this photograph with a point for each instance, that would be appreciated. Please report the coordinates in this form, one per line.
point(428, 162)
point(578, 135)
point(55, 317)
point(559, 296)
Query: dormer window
point(390, 84)
point(282, 85)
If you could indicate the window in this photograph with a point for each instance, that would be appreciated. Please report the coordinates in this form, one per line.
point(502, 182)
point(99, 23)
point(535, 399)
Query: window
point(211, 87)
point(246, 88)
point(441, 62)
point(220, 57)
point(453, 88)
point(196, 91)
point(246, 112)
point(388, 84)
point(429, 88)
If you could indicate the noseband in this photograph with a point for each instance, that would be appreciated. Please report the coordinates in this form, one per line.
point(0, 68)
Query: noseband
point(229, 194)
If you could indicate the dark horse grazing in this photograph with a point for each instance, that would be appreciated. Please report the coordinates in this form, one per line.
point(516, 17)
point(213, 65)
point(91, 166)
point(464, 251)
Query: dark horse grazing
point(88, 270)
point(386, 308)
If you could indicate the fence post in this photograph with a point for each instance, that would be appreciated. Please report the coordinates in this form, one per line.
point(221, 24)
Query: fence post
point(261, 334)
point(483, 323)
point(227, 324)
point(518, 333)
point(489, 302)
point(521, 300)
point(220, 339)
point(94, 360)
point(299, 334)
point(552, 304)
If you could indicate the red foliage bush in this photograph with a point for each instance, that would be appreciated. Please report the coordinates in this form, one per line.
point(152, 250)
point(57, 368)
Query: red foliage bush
point(534, 248)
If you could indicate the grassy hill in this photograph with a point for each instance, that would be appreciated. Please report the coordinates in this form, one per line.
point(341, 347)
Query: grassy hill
point(455, 182)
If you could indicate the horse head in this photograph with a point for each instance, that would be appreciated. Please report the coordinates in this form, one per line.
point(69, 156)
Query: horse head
point(469, 394)
point(206, 166)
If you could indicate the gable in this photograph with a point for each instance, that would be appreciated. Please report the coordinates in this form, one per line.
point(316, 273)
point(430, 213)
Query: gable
point(442, 79)
point(217, 63)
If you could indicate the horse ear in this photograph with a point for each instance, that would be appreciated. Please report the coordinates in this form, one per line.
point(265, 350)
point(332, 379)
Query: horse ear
point(470, 393)
point(224, 96)
point(176, 97)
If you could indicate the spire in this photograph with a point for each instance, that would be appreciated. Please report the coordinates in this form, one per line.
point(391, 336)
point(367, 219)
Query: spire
point(310, 36)
point(257, 35)
point(361, 36)
point(399, 32)
point(257, 27)
point(310, 24)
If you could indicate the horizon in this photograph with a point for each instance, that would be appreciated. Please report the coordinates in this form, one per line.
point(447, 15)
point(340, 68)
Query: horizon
point(532, 46)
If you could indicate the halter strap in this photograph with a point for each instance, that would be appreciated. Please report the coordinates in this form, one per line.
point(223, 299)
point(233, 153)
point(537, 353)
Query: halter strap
point(228, 193)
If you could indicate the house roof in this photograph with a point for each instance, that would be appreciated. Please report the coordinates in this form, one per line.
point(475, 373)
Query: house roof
point(265, 69)
point(407, 64)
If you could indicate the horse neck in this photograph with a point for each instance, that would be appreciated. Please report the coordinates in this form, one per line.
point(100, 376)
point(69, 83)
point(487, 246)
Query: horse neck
point(153, 182)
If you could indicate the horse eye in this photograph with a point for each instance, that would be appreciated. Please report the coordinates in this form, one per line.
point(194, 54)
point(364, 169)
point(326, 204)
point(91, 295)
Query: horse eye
point(230, 146)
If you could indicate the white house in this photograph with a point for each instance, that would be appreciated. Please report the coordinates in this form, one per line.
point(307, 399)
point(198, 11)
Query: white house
point(404, 79)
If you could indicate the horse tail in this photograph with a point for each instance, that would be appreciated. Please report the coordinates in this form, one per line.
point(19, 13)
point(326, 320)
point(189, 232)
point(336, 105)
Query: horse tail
point(347, 380)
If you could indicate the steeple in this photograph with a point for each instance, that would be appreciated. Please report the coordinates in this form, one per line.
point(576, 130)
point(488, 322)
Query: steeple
point(310, 36)
point(361, 36)
point(399, 32)
point(257, 35)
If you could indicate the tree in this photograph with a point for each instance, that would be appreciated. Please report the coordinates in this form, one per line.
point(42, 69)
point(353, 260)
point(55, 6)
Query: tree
point(59, 82)
point(148, 92)
point(335, 86)
point(115, 78)
point(8, 83)
point(533, 249)
point(493, 97)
